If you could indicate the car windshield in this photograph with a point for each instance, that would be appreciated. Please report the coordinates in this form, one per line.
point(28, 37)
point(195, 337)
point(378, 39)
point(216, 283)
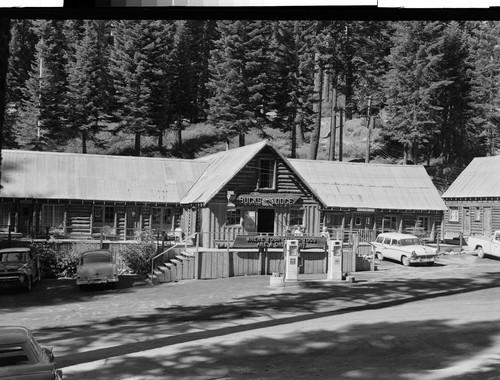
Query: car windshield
point(410, 241)
point(97, 258)
point(10, 257)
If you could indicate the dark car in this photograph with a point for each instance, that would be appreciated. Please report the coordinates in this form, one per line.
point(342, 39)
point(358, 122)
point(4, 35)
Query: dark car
point(22, 358)
point(19, 267)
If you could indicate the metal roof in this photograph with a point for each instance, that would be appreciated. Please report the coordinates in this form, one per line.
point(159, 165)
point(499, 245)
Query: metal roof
point(373, 186)
point(223, 166)
point(49, 175)
point(481, 178)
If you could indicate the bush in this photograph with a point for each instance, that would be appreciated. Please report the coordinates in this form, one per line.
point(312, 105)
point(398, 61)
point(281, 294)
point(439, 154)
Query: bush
point(58, 262)
point(138, 256)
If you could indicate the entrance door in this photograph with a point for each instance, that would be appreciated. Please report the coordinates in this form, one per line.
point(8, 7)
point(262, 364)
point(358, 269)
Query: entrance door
point(265, 220)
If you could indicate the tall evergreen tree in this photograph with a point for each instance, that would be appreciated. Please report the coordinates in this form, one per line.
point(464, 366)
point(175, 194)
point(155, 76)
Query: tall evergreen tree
point(22, 54)
point(412, 83)
point(292, 78)
point(485, 58)
point(42, 124)
point(89, 81)
point(239, 77)
point(138, 64)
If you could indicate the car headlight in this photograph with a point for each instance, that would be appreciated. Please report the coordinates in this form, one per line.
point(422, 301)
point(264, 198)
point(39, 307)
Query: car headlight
point(22, 278)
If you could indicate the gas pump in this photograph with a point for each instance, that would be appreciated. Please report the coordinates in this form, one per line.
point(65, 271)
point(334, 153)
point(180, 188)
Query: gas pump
point(291, 260)
point(334, 260)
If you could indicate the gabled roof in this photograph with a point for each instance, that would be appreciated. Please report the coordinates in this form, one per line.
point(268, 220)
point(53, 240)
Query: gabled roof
point(49, 175)
point(373, 186)
point(481, 178)
point(223, 166)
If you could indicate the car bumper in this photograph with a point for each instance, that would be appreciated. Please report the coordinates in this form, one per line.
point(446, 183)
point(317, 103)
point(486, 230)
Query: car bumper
point(11, 281)
point(90, 281)
point(422, 259)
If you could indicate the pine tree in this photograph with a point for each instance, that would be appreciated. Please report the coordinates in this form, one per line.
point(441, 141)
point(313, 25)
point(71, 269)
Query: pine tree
point(22, 54)
point(412, 83)
point(89, 87)
point(239, 77)
point(292, 79)
point(138, 65)
point(485, 77)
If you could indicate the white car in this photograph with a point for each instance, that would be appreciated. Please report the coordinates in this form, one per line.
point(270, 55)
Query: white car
point(405, 248)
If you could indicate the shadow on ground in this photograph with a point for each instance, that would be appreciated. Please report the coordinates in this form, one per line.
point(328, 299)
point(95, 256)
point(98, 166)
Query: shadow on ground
point(307, 302)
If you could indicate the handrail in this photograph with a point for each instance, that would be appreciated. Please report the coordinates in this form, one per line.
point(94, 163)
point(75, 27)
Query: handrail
point(168, 249)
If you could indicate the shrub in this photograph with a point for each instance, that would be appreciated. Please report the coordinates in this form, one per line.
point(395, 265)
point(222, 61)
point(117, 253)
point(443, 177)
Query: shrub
point(138, 255)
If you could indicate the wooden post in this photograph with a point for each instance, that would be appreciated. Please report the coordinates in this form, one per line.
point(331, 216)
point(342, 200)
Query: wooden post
point(197, 259)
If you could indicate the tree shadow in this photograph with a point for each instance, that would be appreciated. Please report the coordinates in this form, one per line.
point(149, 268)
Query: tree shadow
point(62, 291)
point(429, 349)
point(190, 323)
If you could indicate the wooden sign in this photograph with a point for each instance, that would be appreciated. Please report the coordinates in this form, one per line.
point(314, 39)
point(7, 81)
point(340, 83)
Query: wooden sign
point(265, 241)
point(274, 199)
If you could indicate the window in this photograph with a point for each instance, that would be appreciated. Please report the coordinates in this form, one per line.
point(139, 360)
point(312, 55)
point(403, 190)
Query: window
point(477, 214)
point(357, 221)
point(4, 216)
point(104, 216)
point(453, 214)
point(13, 355)
point(296, 217)
point(335, 220)
point(267, 170)
point(233, 217)
point(162, 218)
point(390, 223)
point(53, 216)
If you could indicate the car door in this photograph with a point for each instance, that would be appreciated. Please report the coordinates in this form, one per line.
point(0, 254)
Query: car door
point(392, 251)
point(495, 245)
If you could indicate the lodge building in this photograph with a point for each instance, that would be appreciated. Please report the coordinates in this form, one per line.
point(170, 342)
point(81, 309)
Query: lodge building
point(242, 191)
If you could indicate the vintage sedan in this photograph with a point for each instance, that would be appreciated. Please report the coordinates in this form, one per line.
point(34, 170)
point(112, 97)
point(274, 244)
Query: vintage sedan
point(19, 267)
point(96, 267)
point(22, 358)
point(405, 248)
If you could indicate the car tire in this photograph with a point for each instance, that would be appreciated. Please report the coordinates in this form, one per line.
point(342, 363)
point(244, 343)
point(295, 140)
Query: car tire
point(405, 261)
point(480, 252)
point(380, 256)
point(29, 284)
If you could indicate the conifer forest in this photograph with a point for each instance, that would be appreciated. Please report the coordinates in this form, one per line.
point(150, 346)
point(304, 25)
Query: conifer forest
point(430, 88)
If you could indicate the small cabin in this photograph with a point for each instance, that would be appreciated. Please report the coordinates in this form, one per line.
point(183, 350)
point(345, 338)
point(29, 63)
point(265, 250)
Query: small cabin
point(473, 200)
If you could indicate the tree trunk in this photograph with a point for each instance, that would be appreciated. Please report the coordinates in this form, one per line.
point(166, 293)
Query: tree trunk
point(84, 141)
point(160, 141)
point(179, 132)
point(137, 144)
point(333, 123)
point(4, 66)
point(241, 139)
point(318, 90)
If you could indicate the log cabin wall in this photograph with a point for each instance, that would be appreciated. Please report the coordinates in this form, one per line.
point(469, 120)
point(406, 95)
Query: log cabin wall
point(471, 216)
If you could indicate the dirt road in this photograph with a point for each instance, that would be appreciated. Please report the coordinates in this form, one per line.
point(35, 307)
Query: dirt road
point(396, 323)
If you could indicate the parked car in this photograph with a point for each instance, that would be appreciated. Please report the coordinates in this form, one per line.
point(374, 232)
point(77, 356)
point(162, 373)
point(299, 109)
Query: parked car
point(19, 267)
point(485, 245)
point(96, 267)
point(22, 358)
point(405, 248)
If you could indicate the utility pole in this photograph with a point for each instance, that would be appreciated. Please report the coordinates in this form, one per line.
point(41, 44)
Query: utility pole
point(341, 133)
point(333, 125)
point(368, 132)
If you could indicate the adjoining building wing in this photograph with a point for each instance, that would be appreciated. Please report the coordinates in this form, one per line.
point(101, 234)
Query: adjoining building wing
point(63, 176)
point(370, 186)
point(481, 178)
